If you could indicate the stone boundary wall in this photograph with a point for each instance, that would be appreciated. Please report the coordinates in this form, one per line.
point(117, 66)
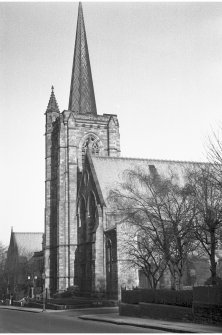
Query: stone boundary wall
point(207, 304)
point(205, 307)
point(206, 313)
point(156, 311)
point(161, 296)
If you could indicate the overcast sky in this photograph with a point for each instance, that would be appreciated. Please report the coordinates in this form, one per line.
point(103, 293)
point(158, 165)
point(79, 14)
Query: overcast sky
point(157, 65)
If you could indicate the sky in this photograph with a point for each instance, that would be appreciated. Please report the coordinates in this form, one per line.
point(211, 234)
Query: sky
point(158, 66)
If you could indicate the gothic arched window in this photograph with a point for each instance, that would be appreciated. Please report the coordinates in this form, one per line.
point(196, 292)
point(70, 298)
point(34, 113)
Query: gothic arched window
point(82, 217)
point(92, 209)
point(91, 143)
point(86, 178)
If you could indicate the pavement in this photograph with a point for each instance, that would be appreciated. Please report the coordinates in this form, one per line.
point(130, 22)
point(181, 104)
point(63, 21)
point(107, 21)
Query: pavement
point(110, 315)
point(169, 326)
point(22, 309)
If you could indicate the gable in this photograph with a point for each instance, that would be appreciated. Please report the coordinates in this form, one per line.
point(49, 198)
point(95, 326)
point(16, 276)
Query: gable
point(90, 173)
point(28, 243)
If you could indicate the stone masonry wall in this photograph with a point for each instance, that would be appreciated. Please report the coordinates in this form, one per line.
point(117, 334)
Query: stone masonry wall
point(73, 130)
point(90, 251)
point(51, 163)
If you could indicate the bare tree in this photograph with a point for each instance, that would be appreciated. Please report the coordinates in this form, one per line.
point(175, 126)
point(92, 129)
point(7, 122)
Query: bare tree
point(214, 149)
point(207, 195)
point(140, 251)
point(18, 269)
point(162, 213)
point(3, 274)
point(214, 155)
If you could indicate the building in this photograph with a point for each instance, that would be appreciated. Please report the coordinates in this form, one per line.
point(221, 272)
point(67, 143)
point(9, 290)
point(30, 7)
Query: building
point(24, 269)
point(82, 163)
point(68, 136)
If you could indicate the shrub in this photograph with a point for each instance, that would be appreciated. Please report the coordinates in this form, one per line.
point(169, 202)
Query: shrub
point(209, 281)
point(73, 289)
point(208, 295)
point(131, 296)
point(66, 294)
point(178, 298)
point(69, 293)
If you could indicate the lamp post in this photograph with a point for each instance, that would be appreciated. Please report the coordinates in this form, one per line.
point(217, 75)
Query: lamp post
point(34, 278)
point(43, 293)
point(29, 286)
point(34, 285)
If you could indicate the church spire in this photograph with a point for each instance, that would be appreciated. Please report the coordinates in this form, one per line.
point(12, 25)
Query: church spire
point(82, 98)
point(52, 105)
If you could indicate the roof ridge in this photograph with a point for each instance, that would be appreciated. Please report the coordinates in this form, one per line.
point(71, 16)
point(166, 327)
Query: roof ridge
point(149, 159)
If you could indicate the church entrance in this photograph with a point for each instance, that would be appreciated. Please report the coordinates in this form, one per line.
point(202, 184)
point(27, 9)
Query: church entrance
point(111, 264)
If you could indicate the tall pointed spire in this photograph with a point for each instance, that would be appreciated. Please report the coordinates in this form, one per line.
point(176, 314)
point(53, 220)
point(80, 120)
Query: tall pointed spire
point(52, 105)
point(82, 98)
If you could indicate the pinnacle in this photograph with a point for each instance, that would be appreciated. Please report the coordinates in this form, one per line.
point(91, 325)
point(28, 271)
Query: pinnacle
point(52, 105)
point(82, 98)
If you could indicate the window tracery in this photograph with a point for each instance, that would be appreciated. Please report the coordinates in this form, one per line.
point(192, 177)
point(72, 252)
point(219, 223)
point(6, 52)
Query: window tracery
point(92, 144)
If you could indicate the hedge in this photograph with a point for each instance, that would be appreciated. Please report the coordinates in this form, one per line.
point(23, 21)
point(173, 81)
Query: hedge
point(162, 296)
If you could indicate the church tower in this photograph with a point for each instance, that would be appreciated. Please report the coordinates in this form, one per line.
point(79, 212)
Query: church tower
point(68, 136)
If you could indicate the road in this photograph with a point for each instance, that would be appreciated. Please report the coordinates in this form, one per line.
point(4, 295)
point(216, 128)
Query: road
point(15, 321)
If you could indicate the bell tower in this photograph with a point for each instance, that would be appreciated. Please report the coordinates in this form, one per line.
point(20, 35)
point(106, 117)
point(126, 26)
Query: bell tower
point(68, 136)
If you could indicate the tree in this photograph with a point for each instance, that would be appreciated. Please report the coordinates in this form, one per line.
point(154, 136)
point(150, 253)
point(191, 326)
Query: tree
point(207, 196)
point(138, 248)
point(3, 274)
point(18, 269)
point(161, 213)
point(214, 155)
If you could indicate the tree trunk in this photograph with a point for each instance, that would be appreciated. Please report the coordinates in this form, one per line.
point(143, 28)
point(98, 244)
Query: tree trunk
point(213, 263)
point(155, 284)
point(176, 279)
point(173, 281)
point(179, 281)
point(213, 270)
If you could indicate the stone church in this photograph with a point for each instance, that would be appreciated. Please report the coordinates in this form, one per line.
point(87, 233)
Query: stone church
point(82, 164)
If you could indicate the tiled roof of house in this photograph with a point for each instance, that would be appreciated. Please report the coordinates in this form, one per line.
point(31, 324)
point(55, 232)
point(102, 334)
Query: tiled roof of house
point(109, 170)
point(28, 243)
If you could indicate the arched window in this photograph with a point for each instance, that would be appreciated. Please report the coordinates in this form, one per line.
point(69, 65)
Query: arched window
point(86, 178)
point(92, 210)
point(82, 217)
point(92, 144)
point(109, 254)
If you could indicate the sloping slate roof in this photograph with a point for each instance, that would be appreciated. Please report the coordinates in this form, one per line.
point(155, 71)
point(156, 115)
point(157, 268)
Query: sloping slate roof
point(109, 170)
point(28, 243)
